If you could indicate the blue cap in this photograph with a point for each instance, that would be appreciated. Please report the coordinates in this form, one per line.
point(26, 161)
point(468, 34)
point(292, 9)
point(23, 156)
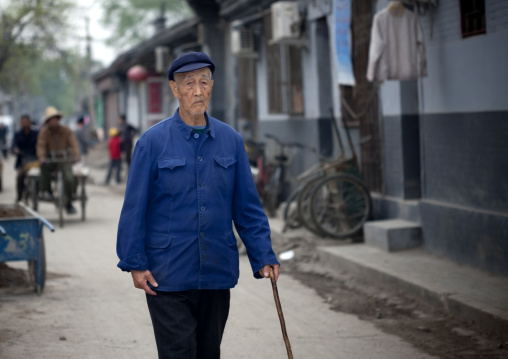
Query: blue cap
point(190, 61)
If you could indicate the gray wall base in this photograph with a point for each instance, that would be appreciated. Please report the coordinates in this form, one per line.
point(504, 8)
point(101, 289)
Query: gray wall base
point(466, 235)
point(393, 235)
point(385, 207)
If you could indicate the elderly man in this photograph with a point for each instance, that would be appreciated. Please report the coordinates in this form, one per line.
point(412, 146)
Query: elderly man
point(189, 180)
point(57, 142)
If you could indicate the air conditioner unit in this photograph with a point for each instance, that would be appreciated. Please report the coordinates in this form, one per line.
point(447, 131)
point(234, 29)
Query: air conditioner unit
point(161, 59)
point(242, 42)
point(285, 21)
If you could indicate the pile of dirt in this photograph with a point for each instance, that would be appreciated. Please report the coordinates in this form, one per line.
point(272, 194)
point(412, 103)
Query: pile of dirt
point(12, 277)
point(11, 212)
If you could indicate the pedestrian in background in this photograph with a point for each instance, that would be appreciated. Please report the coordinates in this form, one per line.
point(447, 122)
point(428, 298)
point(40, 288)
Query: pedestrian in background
point(190, 181)
point(115, 156)
point(82, 138)
point(23, 146)
point(127, 133)
point(4, 130)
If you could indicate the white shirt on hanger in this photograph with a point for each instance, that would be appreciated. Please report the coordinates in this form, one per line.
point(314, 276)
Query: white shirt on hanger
point(397, 49)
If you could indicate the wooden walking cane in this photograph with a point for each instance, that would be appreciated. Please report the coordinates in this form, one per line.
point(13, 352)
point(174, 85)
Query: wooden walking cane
point(281, 315)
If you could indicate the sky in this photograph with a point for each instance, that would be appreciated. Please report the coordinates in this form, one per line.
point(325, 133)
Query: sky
point(100, 51)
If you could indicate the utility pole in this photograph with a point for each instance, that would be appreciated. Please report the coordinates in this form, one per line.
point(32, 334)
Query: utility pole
point(91, 105)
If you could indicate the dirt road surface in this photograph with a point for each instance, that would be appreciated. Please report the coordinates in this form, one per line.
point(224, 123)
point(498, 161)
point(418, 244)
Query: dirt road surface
point(89, 308)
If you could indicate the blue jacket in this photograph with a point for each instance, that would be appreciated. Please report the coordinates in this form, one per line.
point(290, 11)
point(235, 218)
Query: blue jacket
point(184, 191)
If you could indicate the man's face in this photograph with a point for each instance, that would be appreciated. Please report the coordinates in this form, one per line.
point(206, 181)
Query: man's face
point(53, 122)
point(25, 123)
point(193, 90)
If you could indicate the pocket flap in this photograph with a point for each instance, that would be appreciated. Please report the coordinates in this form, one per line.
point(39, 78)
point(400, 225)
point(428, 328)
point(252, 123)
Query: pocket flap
point(171, 163)
point(225, 161)
point(158, 241)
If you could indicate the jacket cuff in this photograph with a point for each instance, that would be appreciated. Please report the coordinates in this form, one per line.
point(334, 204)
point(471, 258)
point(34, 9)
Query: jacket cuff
point(136, 262)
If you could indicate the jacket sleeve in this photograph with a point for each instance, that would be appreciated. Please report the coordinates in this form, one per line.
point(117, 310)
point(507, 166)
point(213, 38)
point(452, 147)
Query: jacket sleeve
point(41, 143)
point(73, 144)
point(130, 245)
point(249, 217)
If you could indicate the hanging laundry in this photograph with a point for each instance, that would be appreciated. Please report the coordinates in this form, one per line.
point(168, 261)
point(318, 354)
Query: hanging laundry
point(397, 49)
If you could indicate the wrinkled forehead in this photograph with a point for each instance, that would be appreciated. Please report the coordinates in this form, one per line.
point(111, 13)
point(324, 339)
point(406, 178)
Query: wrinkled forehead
point(205, 72)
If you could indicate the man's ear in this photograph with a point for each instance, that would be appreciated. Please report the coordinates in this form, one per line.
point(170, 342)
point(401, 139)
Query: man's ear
point(174, 88)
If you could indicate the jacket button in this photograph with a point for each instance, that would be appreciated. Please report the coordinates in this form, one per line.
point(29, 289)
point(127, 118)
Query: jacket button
point(196, 135)
point(203, 209)
point(202, 234)
point(201, 184)
point(200, 158)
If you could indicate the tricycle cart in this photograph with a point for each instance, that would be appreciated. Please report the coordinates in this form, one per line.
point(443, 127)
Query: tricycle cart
point(79, 194)
point(22, 239)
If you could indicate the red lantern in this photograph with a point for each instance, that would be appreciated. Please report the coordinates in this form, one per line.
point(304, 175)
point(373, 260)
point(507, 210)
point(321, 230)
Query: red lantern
point(137, 73)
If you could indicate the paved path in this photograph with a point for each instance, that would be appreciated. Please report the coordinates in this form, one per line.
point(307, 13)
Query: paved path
point(90, 309)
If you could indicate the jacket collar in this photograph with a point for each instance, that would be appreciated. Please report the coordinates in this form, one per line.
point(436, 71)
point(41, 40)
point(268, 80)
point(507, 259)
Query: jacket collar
point(187, 130)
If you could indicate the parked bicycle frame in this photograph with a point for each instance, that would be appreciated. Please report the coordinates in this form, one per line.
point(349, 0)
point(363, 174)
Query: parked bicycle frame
point(277, 182)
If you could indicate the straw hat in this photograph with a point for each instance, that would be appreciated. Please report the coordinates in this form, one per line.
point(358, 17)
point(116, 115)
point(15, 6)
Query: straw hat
point(51, 112)
point(113, 131)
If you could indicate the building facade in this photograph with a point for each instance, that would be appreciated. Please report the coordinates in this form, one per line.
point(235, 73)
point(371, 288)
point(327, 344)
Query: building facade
point(433, 150)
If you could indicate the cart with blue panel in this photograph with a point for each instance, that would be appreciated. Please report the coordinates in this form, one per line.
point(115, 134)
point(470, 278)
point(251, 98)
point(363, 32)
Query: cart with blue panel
point(22, 239)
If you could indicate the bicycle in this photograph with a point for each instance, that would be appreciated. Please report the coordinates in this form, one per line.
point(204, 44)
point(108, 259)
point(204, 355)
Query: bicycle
point(331, 198)
point(277, 178)
point(297, 210)
point(340, 204)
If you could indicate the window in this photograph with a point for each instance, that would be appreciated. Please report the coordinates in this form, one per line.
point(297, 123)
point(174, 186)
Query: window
point(284, 75)
point(472, 17)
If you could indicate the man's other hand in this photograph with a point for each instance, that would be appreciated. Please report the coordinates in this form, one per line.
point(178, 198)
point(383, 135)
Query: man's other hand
point(141, 278)
point(265, 271)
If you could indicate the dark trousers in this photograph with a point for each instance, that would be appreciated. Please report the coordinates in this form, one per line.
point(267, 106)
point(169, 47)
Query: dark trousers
point(127, 148)
point(68, 179)
point(189, 324)
point(116, 163)
point(20, 183)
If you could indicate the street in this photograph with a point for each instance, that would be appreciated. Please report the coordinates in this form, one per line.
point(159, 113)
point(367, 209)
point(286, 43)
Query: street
point(89, 308)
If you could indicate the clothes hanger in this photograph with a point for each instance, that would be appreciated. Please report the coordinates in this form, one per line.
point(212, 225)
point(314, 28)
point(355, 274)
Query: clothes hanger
point(396, 8)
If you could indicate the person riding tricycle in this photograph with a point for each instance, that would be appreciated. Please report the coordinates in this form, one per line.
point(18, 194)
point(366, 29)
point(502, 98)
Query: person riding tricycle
point(53, 142)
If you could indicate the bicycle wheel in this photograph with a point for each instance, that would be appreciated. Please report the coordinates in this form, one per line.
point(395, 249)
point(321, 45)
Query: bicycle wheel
point(273, 192)
point(291, 218)
point(340, 205)
point(304, 206)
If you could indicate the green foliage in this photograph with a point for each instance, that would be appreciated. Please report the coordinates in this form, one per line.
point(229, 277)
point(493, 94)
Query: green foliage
point(32, 62)
point(132, 20)
point(38, 23)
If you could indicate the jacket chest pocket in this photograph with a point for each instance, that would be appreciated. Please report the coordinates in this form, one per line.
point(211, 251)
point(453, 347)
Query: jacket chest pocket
point(224, 171)
point(171, 174)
